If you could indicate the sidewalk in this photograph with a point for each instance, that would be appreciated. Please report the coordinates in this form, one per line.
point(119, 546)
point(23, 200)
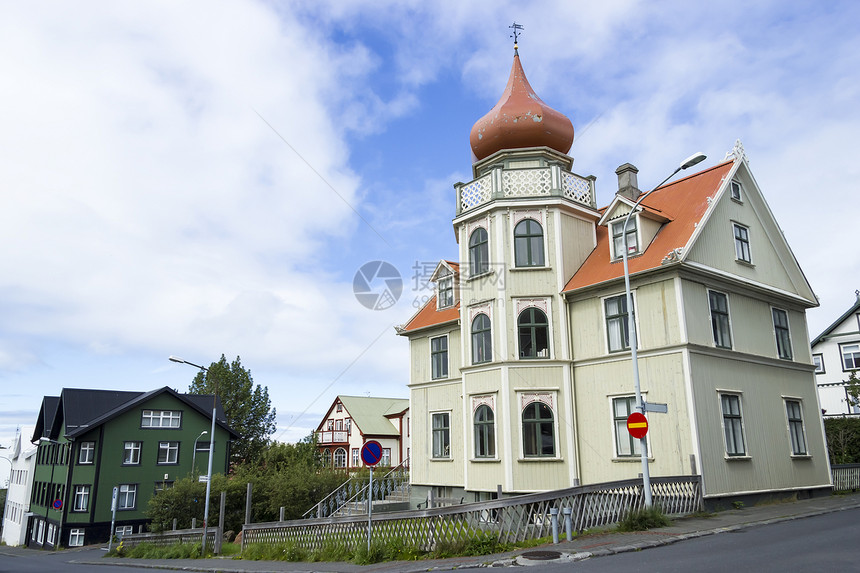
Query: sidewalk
point(587, 546)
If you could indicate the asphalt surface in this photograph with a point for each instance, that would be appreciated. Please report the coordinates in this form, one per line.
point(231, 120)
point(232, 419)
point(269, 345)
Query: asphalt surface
point(581, 547)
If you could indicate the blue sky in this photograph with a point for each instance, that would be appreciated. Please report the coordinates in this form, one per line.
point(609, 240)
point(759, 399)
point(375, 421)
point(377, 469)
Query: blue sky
point(149, 208)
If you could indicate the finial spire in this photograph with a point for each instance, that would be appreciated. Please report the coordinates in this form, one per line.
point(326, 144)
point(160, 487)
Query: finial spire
point(516, 28)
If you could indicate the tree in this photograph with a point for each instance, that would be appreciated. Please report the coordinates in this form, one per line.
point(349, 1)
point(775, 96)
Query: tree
point(246, 406)
point(852, 389)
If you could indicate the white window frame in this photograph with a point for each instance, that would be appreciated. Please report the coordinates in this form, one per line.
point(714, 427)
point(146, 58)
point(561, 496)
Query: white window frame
point(88, 448)
point(445, 454)
point(728, 319)
point(740, 416)
point(445, 285)
point(623, 295)
point(161, 419)
point(842, 354)
point(447, 362)
point(819, 363)
point(735, 191)
point(339, 459)
point(81, 501)
point(134, 449)
point(123, 530)
point(738, 242)
point(171, 453)
point(632, 229)
point(356, 458)
point(127, 491)
point(800, 449)
point(778, 329)
point(76, 538)
point(386, 458)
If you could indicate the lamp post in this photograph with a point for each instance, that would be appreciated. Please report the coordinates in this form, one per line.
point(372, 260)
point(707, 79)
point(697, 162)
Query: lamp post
point(53, 457)
point(194, 455)
point(211, 451)
point(631, 323)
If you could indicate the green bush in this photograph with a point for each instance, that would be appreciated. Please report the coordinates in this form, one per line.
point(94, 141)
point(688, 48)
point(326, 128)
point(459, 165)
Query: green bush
point(643, 519)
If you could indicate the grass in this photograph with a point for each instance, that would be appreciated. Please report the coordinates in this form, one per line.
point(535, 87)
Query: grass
point(644, 519)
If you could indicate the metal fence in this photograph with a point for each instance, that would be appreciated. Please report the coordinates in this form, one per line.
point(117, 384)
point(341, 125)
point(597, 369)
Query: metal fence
point(351, 497)
point(845, 477)
point(510, 519)
point(170, 537)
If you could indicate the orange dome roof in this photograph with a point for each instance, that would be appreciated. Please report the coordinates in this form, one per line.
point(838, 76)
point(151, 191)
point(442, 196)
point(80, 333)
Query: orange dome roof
point(520, 119)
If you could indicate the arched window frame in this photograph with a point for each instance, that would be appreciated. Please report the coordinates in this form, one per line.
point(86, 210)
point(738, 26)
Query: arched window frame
point(482, 339)
point(485, 432)
point(340, 458)
point(534, 332)
point(529, 244)
point(479, 252)
point(538, 426)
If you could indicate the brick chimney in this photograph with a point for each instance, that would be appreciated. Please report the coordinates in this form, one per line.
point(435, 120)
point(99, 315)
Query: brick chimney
point(628, 184)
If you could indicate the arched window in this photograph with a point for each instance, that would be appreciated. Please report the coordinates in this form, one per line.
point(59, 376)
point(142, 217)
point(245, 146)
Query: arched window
point(528, 244)
point(479, 254)
point(340, 458)
point(326, 458)
point(533, 331)
point(538, 433)
point(482, 339)
point(485, 432)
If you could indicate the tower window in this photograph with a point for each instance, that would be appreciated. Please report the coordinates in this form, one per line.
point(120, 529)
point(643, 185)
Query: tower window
point(528, 244)
point(485, 432)
point(482, 345)
point(479, 259)
point(533, 330)
point(538, 433)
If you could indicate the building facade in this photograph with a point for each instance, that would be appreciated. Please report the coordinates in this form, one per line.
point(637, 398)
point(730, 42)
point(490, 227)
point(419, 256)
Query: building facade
point(836, 354)
point(521, 363)
point(92, 441)
point(353, 420)
point(22, 456)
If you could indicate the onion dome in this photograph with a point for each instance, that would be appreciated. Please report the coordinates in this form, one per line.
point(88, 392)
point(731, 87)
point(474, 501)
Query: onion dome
point(520, 119)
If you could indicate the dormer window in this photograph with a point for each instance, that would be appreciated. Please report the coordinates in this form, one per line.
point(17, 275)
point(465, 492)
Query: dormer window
point(736, 190)
point(446, 292)
point(618, 238)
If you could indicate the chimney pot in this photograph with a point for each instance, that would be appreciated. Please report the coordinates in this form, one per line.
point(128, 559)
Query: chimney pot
point(628, 183)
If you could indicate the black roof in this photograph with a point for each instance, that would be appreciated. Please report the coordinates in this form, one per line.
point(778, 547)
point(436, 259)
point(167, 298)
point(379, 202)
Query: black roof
point(838, 321)
point(83, 409)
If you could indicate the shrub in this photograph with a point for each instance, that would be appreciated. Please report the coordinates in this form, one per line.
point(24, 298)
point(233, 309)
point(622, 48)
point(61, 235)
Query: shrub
point(642, 519)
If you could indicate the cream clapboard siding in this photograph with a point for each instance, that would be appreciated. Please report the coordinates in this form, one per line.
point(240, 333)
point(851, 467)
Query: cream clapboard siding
point(486, 474)
point(442, 396)
point(670, 438)
point(772, 262)
point(578, 238)
point(762, 388)
point(751, 322)
point(420, 354)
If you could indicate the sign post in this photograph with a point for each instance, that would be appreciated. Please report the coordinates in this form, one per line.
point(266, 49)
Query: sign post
point(371, 453)
point(113, 516)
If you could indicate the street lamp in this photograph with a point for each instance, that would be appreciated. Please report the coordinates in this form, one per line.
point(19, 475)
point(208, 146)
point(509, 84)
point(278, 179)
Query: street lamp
point(194, 456)
point(631, 323)
point(211, 450)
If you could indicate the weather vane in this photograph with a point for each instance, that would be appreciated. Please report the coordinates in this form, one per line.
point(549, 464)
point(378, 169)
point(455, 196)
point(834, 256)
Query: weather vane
point(516, 28)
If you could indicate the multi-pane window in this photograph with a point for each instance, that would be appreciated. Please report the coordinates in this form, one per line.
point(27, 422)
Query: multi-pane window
point(485, 432)
point(795, 427)
point(386, 458)
point(479, 254)
point(439, 357)
point(719, 304)
point(533, 332)
point(742, 243)
point(850, 356)
point(160, 419)
point(131, 453)
point(625, 444)
point(733, 424)
point(736, 190)
point(82, 498)
point(617, 332)
point(818, 360)
point(326, 458)
point(340, 458)
point(528, 244)
point(355, 457)
point(168, 452)
point(76, 538)
point(618, 238)
point(538, 431)
point(124, 530)
point(783, 336)
point(86, 453)
point(441, 435)
point(127, 496)
point(482, 346)
point(446, 292)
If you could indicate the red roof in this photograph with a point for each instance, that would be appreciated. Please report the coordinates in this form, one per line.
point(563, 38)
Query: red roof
point(684, 202)
point(430, 316)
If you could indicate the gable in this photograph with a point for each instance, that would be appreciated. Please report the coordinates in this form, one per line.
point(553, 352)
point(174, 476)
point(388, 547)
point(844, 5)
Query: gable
point(847, 324)
point(713, 246)
point(369, 415)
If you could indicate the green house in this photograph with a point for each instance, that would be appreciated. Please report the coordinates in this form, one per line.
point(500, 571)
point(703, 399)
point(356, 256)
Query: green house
point(91, 441)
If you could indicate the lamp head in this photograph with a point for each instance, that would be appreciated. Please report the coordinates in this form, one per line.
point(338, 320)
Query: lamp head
point(693, 160)
point(176, 359)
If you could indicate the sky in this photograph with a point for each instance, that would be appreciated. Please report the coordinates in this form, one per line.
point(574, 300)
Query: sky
point(198, 178)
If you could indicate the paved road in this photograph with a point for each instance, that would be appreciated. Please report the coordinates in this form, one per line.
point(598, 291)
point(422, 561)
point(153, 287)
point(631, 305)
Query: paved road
point(12, 561)
point(822, 543)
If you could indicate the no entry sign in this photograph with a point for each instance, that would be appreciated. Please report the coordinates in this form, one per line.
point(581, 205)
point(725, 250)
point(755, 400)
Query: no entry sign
point(637, 425)
point(371, 452)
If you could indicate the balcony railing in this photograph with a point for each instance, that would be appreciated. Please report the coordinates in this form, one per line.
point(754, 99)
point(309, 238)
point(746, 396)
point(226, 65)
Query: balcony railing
point(333, 437)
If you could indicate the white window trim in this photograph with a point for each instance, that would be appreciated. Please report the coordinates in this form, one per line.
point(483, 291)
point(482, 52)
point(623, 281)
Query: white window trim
point(544, 304)
point(78, 536)
point(746, 455)
point(842, 356)
point(740, 197)
point(449, 457)
point(447, 356)
point(445, 279)
point(633, 219)
point(471, 231)
point(554, 406)
point(606, 330)
point(488, 400)
point(711, 319)
point(516, 218)
point(785, 400)
point(823, 369)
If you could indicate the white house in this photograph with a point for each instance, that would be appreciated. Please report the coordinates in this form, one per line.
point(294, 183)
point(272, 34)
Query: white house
point(22, 454)
point(353, 420)
point(836, 353)
point(521, 376)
